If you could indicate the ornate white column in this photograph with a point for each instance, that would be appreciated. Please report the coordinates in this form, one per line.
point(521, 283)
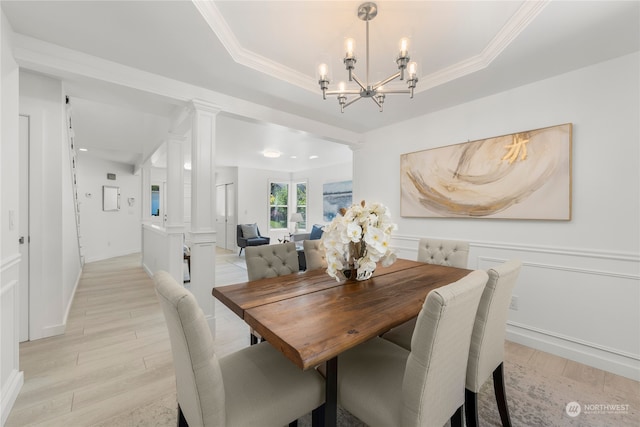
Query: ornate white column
point(175, 205)
point(203, 206)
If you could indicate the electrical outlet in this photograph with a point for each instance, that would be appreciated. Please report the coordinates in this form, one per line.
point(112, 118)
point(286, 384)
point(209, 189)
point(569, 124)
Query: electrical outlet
point(514, 303)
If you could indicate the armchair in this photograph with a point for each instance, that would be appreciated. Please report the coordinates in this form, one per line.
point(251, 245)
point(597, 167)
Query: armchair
point(249, 235)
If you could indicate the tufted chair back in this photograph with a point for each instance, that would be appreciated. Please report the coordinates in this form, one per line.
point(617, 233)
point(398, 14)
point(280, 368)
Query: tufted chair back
point(271, 260)
point(314, 254)
point(443, 252)
point(199, 385)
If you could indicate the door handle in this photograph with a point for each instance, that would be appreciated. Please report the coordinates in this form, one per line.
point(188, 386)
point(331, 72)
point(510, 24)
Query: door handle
point(21, 240)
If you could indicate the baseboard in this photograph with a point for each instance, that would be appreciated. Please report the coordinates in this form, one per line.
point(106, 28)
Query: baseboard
point(109, 256)
point(10, 393)
point(53, 330)
point(610, 360)
point(73, 295)
point(149, 272)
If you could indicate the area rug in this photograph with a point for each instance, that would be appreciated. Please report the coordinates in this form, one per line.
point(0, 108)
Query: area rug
point(534, 400)
point(538, 400)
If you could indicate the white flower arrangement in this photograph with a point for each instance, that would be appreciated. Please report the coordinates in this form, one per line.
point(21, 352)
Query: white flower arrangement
point(357, 239)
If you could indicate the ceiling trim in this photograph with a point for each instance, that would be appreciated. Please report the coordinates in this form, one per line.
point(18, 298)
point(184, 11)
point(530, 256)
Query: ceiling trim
point(248, 58)
point(61, 62)
point(507, 34)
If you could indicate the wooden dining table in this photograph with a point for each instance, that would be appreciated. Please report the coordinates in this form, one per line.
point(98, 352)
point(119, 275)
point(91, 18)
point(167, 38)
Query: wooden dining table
point(312, 318)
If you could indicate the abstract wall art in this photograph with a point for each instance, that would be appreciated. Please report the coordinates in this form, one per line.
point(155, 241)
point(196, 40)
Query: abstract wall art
point(524, 175)
point(336, 195)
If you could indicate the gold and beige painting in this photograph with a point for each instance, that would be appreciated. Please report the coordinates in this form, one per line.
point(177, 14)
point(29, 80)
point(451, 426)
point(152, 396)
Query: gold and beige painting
point(524, 175)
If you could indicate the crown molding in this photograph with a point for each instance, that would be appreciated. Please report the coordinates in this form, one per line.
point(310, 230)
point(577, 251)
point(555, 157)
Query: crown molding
point(241, 55)
point(509, 32)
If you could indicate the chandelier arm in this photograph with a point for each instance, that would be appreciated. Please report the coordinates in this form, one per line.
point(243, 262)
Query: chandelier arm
point(344, 92)
point(373, 98)
point(352, 101)
point(387, 80)
point(386, 92)
point(357, 80)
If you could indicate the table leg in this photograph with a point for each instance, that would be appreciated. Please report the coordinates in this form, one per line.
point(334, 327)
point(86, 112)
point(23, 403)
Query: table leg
point(331, 393)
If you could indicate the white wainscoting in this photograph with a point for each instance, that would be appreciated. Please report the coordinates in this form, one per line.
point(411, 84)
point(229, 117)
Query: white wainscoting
point(11, 379)
point(583, 305)
point(154, 252)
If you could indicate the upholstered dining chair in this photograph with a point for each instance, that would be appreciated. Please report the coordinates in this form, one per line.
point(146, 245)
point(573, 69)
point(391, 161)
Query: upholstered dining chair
point(314, 254)
point(254, 386)
point(453, 253)
point(486, 354)
point(386, 385)
point(270, 261)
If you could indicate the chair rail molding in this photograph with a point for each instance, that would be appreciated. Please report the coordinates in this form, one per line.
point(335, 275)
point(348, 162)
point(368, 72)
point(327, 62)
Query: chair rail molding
point(570, 301)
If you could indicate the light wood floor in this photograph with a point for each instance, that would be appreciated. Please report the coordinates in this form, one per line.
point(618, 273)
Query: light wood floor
point(115, 355)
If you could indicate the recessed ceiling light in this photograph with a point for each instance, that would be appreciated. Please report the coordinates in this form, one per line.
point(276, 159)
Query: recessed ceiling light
point(187, 166)
point(294, 157)
point(313, 157)
point(83, 149)
point(272, 154)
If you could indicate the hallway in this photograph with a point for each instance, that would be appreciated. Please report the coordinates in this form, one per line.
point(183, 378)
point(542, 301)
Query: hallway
point(114, 357)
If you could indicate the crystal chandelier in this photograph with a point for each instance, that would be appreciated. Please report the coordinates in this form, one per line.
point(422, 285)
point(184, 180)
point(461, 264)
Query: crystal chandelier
point(376, 91)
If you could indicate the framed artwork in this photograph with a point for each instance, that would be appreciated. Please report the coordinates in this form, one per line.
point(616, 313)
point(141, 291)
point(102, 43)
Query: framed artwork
point(524, 175)
point(336, 195)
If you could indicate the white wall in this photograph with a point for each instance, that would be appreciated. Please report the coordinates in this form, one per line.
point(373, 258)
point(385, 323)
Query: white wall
point(11, 378)
point(578, 291)
point(54, 262)
point(108, 234)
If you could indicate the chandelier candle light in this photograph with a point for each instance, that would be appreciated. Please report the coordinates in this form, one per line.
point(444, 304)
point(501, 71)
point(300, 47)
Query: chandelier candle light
point(356, 240)
point(376, 91)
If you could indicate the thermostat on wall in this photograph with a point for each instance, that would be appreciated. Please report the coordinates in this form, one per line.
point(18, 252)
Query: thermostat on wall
point(111, 176)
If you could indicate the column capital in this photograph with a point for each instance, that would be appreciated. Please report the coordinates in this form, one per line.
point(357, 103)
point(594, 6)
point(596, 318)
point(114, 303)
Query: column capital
point(175, 137)
point(202, 105)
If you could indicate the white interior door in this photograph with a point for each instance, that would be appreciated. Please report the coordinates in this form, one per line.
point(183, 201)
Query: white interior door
point(23, 221)
point(231, 216)
point(221, 216)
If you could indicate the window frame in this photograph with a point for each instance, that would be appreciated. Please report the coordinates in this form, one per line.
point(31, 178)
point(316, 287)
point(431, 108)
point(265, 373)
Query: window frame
point(279, 206)
point(296, 206)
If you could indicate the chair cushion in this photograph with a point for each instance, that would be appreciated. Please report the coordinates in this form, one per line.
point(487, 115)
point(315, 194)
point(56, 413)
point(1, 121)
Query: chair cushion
point(264, 388)
point(257, 241)
point(401, 335)
point(249, 231)
point(370, 382)
point(316, 232)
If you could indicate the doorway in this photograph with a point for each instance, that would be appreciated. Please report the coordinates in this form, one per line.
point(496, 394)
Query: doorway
point(225, 216)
